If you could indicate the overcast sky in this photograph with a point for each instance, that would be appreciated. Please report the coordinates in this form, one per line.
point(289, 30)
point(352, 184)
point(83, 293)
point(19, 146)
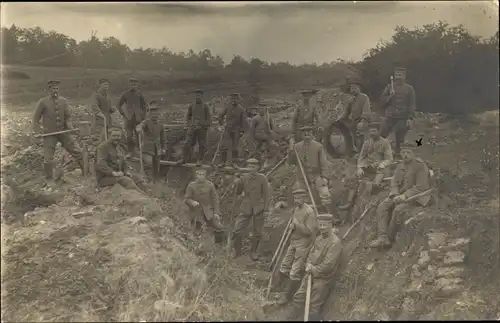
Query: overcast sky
point(295, 32)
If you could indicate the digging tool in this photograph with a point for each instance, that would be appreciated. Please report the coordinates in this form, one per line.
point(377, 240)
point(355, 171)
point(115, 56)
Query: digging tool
point(280, 245)
point(269, 285)
point(230, 231)
point(308, 297)
point(305, 180)
point(139, 135)
point(84, 128)
point(218, 145)
point(392, 84)
point(42, 135)
point(105, 128)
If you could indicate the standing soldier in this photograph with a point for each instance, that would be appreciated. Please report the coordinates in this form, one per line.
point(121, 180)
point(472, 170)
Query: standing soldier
point(111, 167)
point(304, 229)
point(154, 136)
point(235, 123)
point(324, 264)
point(254, 207)
point(132, 107)
point(399, 104)
point(102, 109)
point(54, 112)
point(199, 119)
point(314, 162)
point(410, 178)
point(261, 132)
point(203, 201)
point(375, 156)
point(357, 114)
point(304, 115)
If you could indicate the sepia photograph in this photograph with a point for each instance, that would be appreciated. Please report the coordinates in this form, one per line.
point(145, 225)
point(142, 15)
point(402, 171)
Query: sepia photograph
point(250, 161)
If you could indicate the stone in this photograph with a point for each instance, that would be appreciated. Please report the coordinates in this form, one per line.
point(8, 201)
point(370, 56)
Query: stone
point(448, 286)
point(436, 239)
point(460, 244)
point(454, 257)
point(424, 258)
point(450, 272)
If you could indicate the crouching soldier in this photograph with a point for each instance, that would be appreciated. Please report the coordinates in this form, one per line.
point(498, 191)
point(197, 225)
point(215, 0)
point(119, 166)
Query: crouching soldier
point(153, 136)
point(111, 167)
point(203, 201)
point(313, 159)
point(323, 264)
point(410, 178)
point(373, 161)
point(254, 207)
point(304, 229)
point(235, 124)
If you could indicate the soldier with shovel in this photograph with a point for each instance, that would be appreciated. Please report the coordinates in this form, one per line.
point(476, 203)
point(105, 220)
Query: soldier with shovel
point(54, 112)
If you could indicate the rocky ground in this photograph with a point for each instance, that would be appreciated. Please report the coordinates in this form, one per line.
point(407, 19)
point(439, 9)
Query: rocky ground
point(77, 254)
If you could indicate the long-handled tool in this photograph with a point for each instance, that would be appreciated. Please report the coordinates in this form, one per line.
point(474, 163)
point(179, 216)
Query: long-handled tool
point(139, 136)
point(42, 135)
point(280, 245)
point(305, 180)
point(307, 304)
point(218, 145)
point(280, 253)
point(105, 128)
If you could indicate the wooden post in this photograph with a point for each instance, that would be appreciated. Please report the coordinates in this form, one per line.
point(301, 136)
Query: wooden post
point(84, 127)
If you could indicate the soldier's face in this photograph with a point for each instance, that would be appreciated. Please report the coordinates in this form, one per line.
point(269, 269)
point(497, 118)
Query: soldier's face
point(299, 199)
point(198, 97)
point(234, 101)
point(308, 136)
point(407, 155)
point(253, 167)
point(54, 90)
point(134, 86)
point(374, 133)
point(105, 86)
point(115, 137)
point(262, 112)
point(324, 227)
point(355, 89)
point(399, 76)
point(306, 98)
point(155, 115)
point(200, 175)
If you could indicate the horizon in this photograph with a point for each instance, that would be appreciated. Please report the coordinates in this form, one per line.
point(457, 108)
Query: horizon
point(300, 32)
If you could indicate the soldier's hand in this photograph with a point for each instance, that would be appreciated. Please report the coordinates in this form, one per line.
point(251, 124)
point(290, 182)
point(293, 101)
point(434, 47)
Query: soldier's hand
point(266, 213)
point(118, 174)
point(138, 128)
point(292, 226)
point(399, 198)
point(360, 172)
point(220, 128)
point(308, 268)
point(409, 123)
point(100, 115)
point(217, 217)
point(195, 204)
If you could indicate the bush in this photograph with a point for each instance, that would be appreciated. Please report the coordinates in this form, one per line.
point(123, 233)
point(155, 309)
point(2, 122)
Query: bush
point(15, 75)
point(451, 70)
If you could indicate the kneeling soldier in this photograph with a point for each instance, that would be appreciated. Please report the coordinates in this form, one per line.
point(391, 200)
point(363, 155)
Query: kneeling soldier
point(323, 264)
point(203, 201)
point(304, 229)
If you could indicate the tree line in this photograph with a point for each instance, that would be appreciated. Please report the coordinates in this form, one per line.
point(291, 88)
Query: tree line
point(451, 70)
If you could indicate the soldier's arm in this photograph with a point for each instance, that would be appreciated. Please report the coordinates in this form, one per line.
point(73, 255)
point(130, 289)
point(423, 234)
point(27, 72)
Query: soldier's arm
point(102, 161)
point(388, 157)
point(385, 96)
point(292, 156)
point(188, 196)
point(222, 115)
point(366, 111)
point(421, 182)
point(162, 138)
point(412, 102)
point(142, 103)
point(323, 163)
point(243, 119)
point(253, 126)
point(295, 119)
point(121, 102)
point(309, 226)
point(265, 193)
point(238, 185)
point(37, 114)
point(394, 181)
point(208, 115)
point(330, 261)
point(363, 154)
point(346, 111)
point(215, 198)
point(94, 104)
point(67, 116)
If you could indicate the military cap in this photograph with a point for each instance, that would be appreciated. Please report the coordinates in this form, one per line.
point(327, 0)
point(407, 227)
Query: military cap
point(325, 217)
point(152, 104)
point(407, 146)
point(304, 92)
point(299, 191)
point(234, 95)
point(374, 125)
point(198, 91)
point(355, 81)
point(103, 80)
point(53, 82)
point(400, 69)
point(252, 161)
point(133, 80)
point(306, 128)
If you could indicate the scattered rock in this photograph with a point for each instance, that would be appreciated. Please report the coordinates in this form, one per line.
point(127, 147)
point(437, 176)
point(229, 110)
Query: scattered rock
point(437, 239)
point(454, 257)
point(424, 258)
point(460, 244)
point(449, 286)
point(449, 272)
point(137, 219)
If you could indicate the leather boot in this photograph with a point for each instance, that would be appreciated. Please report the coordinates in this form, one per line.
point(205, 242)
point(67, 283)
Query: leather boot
point(282, 280)
point(237, 247)
point(82, 167)
point(49, 174)
point(201, 155)
point(291, 288)
point(223, 158)
point(350, 200)
point(254, 255)
point(381, 242)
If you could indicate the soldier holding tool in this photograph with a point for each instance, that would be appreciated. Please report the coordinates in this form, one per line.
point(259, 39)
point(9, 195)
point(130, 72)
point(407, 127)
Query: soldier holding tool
point(132, 106)
point(234, 126)
point(154, 136)
point(304, 230)
point(410, 178)
point(111, 167)
point(399, 103)
point(261, 133)
point(203, 201)
point(101, 107)
point(199, 120)
point(374, 159)
point(54, 112)
point(254, 207)
point(304, 115)
point(323, 264)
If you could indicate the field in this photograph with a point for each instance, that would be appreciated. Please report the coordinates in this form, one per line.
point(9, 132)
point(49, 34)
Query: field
point(81, 255)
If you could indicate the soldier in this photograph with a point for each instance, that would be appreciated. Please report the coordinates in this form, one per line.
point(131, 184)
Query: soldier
point(199, 119)
point(324, 264)
point(54, 112)
point(375, 156)
point(102, 109)
point(203, 201)
point(111, 167)
point(132, 106)
point(154, 136)
point(357, 113)
point(304, 230)
point(399, 104)
point(410, 177)
point(304, 115)
point(314, 162)
point(235, 122)
point(254, 206)
point(262, 126)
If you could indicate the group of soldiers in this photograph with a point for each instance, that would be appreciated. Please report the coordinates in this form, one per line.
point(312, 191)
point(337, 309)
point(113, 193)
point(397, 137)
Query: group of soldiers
point(314, 250)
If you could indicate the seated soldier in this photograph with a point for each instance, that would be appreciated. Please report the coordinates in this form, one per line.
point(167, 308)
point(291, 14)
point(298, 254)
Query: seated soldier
point(410, 178)
point(111, 167)
point(203, 201)
point(153, 135)
point(375, 156)
point(324, 264)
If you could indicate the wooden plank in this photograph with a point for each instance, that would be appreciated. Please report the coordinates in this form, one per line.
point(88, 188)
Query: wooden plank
point(192, 165)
